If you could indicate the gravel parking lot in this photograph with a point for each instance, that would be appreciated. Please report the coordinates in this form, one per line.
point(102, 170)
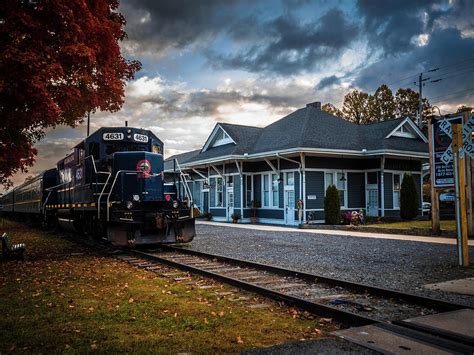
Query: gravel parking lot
point(401, 265)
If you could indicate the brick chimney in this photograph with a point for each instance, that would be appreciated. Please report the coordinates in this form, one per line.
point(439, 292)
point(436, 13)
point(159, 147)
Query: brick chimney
point(315, 104)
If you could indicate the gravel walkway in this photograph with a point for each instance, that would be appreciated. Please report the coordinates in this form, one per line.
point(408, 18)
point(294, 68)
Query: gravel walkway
point(401, 265)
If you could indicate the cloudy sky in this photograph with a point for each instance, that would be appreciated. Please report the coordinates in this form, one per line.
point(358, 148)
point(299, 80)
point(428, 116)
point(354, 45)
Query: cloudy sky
point(252, 62)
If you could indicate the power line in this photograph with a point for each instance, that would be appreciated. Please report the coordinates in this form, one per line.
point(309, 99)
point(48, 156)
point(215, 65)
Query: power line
point(450, 94)
point(454, 73)
point(441, 68)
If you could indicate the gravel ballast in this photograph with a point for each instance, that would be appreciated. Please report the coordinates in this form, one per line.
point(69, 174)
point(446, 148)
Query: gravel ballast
point(401, 265)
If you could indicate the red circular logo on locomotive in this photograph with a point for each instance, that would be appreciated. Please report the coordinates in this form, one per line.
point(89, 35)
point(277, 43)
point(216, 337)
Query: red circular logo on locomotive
point(145, 167)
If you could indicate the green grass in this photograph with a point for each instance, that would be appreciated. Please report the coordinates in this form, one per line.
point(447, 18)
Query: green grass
point(66, 298)
point(446, 225)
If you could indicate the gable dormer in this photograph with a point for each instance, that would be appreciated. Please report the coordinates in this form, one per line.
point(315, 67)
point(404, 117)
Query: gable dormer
point(217, 138)
point(407, 129)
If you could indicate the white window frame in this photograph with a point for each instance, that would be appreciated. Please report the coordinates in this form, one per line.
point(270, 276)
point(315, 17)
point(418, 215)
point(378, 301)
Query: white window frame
point(334, 174)
point(270, 191)
point(401, 174)
point(287, 185)
point(216, 199)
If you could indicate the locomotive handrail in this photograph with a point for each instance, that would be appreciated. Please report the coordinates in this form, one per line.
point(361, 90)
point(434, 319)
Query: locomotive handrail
point(45, 202)
point(186, 188)
point(100, 196)
point(53, 187)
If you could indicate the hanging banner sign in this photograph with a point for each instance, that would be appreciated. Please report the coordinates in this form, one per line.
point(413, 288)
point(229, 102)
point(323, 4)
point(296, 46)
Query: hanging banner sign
point(442, 153)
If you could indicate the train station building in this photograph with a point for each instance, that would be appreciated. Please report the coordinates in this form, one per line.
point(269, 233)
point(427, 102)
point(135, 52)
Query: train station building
point(295, 159)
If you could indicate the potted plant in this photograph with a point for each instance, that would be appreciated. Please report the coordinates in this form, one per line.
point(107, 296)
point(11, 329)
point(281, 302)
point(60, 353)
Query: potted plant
point(207, 216)
point(235, 217)
point(254, 204)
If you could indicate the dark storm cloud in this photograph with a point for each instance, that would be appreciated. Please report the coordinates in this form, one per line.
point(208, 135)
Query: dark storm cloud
point(393, 25)
point(447, 50)
point(291, 47)
point(156, 26)
point(327, 81)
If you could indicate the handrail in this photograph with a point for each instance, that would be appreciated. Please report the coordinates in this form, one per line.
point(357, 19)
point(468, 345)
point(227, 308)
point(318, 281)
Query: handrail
point(45, 202)
point(53, 187)
point(101, 193)
point(187, 190)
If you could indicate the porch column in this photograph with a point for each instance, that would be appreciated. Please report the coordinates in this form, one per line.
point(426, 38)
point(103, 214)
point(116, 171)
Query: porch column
point(382, 188)
point(209, 188)
point(303, 170)
point(240, 168)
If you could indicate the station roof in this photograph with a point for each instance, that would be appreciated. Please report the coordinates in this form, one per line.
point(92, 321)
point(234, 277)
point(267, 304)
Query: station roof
point(310, 128)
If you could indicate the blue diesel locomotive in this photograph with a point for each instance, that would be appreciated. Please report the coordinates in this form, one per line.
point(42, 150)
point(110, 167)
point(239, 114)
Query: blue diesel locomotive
point(111, 186)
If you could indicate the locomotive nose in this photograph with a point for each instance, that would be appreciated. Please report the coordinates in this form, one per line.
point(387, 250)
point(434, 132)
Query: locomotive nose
point(138, 176)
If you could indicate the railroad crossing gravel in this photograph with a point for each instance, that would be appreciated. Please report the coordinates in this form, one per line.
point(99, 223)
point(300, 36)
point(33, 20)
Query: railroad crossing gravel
point(395, 264)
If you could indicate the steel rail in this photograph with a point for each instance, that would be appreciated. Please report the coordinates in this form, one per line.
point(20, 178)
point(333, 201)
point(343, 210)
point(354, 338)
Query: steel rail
point(314, 307)
point(385, 292)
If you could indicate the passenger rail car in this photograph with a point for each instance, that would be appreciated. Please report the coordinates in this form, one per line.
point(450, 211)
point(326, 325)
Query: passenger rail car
point(112, 186)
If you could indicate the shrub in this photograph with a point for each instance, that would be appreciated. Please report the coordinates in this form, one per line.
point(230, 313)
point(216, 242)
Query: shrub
point(346, 217)
point(235, 216)
point(254, 204)
point(206, 215)
point(332, 206)
point(409, 200)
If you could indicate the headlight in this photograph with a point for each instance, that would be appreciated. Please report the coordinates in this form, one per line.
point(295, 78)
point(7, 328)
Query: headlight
point(129, 205)
point(175, 204)
point(136, 198)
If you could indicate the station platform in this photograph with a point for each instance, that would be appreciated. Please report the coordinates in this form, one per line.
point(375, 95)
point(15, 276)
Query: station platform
point(442, 333)
point(273, 228)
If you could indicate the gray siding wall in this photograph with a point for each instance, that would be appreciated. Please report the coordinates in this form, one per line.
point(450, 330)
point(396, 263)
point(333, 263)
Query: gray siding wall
point(379, 186)
point(297, 185)
point(403, 165)
point(317, 215)
point(275, 214)
point(247, 213)
point(281, 188)
point(315, 186)
point(392, 214)
point(257, 188)
point(335, 163)
point(218, 212)
point(356, 190)
point(212, 191)
point(388, 187)
point(237, 191)
point(231, 168)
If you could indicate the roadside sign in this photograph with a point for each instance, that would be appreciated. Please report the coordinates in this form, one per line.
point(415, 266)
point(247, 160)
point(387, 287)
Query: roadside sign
point(468, 146)
point(443, 153)
point(447, 156)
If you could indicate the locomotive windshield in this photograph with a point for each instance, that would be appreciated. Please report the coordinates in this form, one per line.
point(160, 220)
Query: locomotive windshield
point(125, 147)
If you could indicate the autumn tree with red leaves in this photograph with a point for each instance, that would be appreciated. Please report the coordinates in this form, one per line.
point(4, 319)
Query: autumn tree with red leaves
point(59, 59)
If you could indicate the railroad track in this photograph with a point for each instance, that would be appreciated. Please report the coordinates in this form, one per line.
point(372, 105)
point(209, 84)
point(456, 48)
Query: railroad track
point(352, 304)
point(387, 311)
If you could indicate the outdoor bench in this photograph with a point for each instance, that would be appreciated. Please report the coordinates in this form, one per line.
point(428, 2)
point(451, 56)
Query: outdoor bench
point(10, 250)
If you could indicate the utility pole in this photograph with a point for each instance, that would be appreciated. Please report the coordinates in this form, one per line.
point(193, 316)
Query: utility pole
point(420, 105)
point(420, 84)
point(461, 201)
